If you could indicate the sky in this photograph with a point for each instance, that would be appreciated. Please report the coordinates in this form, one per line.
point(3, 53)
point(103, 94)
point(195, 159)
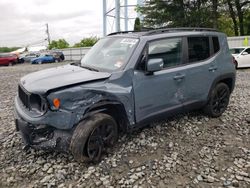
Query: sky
point(23, 22)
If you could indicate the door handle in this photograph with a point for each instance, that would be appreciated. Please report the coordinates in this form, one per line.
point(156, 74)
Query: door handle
point(212, 68)
point(179, 76)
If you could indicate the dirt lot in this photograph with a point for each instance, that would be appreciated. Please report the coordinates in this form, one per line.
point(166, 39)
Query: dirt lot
point(189, 150)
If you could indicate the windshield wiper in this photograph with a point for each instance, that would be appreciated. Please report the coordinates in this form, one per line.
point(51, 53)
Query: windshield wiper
point(89, 68)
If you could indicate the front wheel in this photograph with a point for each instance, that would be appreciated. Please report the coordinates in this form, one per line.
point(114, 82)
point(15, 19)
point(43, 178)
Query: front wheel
point(218, 100)
point(92, 136)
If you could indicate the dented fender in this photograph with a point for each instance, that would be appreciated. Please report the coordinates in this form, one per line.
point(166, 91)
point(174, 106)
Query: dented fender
point(79, 100)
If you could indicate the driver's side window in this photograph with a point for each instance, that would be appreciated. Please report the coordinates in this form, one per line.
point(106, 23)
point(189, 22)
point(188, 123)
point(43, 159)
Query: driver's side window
point(169, 50)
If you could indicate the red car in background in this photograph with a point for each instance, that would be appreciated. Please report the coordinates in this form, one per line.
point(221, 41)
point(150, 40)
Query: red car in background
point(8, 59)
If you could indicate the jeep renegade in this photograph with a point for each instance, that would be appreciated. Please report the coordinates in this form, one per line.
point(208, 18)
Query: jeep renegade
point(126, 80)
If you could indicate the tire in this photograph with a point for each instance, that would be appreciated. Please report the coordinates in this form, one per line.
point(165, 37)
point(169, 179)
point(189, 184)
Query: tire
point(62, 57)
point(11, 63)
point(218, 100)
point(92, 136)
point(39, 62)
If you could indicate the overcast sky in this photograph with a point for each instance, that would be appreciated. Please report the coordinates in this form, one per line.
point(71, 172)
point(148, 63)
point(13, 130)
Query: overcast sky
point(23, 22)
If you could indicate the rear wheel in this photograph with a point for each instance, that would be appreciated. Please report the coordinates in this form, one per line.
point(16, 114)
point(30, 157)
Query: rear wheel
point(11, 63)
point(218, 100)
point(92, 136)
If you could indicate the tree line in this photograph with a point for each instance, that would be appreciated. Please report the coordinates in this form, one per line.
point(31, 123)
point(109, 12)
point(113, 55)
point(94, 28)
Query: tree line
point(59, 44)
point(7, 49)
point(62, 43)
point(229, 16)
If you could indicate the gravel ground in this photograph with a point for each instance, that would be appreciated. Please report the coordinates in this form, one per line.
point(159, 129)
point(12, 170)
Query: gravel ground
point(189, 150)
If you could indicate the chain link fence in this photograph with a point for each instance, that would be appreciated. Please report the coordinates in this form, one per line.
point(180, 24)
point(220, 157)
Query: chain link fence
point(74, 54)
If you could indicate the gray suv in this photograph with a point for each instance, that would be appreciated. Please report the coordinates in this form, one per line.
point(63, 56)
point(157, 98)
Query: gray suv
point(127, 80)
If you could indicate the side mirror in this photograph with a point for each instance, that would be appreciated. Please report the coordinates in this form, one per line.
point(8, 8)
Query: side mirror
point(154, 65)
point(244, 53)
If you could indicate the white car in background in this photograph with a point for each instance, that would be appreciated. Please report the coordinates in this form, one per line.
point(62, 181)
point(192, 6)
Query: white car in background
point(242, 56)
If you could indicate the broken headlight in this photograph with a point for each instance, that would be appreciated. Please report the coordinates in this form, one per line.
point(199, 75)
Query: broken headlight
point(38, 104)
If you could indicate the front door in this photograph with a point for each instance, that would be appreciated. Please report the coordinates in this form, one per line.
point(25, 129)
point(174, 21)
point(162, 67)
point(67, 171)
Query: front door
point(161, 91)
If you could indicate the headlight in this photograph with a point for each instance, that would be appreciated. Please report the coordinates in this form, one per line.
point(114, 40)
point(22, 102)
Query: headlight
point(38, 104)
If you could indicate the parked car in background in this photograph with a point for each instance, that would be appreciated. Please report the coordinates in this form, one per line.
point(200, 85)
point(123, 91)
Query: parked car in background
point(59, 56)
point(28, 57)
point(8, 59)
point(43, 59)
point(242, 56)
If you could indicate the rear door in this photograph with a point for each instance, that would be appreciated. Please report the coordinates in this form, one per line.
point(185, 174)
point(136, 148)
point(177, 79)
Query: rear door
point(160, 92)
point(200, 70)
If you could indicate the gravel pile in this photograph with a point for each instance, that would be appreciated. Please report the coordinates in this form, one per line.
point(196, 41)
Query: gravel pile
point(189, 150)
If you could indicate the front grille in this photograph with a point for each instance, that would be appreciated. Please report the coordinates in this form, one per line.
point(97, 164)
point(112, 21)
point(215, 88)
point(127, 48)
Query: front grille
point(24, 97)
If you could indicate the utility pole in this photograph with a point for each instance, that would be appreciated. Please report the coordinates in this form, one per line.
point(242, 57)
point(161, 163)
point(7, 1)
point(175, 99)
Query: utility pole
point(126, 14)
point(104, 17)
point(117, 16)
point(47, 32)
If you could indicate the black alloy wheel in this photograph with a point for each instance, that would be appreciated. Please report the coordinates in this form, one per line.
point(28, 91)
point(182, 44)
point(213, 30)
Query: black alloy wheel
point(100, 138)
point(218, 101)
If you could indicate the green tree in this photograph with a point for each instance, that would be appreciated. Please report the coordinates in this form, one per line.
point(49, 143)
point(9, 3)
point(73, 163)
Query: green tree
point(179, 13)
point(247, 22)
point(198, 13)
point(59, 44)
point(8, 49)
point(226, 25)
point(87, 42)
point(137, 25)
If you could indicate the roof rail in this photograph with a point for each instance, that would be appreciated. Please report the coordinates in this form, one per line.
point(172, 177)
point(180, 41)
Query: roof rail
point(151, 31)
point(143, 29)
point(163, 30)
point(122, 32)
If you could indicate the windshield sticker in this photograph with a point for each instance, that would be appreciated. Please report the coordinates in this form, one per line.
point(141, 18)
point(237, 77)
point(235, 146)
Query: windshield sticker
point(118, 64)
point(129, 41)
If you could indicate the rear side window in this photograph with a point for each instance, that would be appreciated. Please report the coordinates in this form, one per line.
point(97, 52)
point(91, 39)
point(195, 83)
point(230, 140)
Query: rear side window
point(198, 49)
point(216, 44)
point(167, 49)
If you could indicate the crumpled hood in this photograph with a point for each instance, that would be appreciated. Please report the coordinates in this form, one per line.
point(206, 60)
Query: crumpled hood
point(42, 81)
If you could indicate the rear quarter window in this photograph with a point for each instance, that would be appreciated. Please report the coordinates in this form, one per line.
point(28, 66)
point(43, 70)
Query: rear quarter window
point(216, 44)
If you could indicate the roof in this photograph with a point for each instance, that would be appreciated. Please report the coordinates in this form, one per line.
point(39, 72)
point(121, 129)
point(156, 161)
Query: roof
point(163, 30)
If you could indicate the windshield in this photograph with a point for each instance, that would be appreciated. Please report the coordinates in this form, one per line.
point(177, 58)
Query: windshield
point(109, 54)
point(236, 50)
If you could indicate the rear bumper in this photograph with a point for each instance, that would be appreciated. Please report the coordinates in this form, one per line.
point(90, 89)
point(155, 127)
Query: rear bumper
point(43, 136)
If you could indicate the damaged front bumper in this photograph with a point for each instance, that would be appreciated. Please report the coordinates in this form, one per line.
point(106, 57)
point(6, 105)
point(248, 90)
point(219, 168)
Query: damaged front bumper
point(43, 136)
point(38, 132)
